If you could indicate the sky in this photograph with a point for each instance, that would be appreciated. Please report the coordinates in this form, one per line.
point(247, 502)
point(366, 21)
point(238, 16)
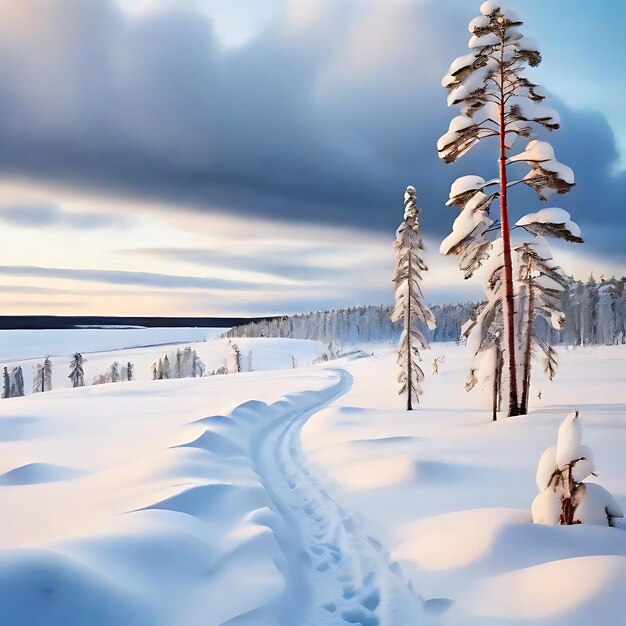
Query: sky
point(237, 157)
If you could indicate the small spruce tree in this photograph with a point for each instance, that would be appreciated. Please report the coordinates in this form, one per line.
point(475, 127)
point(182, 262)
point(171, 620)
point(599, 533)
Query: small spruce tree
point(18, 376)
point(77, 373)
point(6, 383)
point(114, 372)
point(47, 374)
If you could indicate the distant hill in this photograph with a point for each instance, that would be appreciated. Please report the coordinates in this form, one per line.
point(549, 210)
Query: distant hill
point(41, 322)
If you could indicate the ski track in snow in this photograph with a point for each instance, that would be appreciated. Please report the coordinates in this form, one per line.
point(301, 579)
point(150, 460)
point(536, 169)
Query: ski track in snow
point(335, 573)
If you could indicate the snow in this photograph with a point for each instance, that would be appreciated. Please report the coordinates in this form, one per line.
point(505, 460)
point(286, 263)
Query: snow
point(306, 497)
point(458, 124)
point(542, 153)
point(540, 245)
point(546, 467)
point(595, 504)
point(469, 222)
point(488, 39)
point(27, 344)
point(569, 440)
point(463, 184)
point(482, 21)
point(551, 215)
point(489, 7)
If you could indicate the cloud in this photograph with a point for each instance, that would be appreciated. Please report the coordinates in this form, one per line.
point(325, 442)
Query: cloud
point(139, 279)
point(303, 122)
point(40, 215)
point(304, 267)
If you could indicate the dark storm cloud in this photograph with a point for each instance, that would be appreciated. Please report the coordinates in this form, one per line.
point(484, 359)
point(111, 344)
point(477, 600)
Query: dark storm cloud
point(294, 125)
point(139, 279)
point(39, 215)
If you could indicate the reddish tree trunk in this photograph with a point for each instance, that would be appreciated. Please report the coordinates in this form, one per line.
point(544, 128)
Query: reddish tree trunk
point(508, 303)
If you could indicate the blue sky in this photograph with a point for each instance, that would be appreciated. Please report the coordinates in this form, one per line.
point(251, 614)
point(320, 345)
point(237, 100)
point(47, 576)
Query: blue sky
point(259, 150)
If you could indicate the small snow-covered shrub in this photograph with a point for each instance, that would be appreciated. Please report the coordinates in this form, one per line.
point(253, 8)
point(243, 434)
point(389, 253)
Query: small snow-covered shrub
point(564, 498)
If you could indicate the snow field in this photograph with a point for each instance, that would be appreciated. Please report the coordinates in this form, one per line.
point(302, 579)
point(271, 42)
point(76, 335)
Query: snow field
point(450, 492)
point(266, 355)
point(126, 506)
point(304, 497)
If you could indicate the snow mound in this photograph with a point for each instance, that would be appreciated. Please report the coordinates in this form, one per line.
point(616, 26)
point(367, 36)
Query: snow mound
point(216, 443)
point(43, 588)
point(36, 473)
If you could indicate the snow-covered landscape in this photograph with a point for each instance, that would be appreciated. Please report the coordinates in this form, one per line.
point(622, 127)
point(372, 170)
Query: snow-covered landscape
point(230, 396)
point(303, 496)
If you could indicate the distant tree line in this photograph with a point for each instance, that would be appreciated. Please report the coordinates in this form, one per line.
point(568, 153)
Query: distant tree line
point(595, 314)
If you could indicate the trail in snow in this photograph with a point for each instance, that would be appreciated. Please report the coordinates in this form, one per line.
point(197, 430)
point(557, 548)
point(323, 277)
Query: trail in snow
point(335, 573)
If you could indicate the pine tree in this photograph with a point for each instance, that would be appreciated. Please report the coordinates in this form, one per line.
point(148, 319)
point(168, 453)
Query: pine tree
point(114, 372)
point(18, 375)
point(498, 101)
point(410, 306)
point(542, 283)
point(198, 364)
point(38, 379)
point(77, 373)
point(179, 364)
point(129, 371)
point(484, 333)
point(250, 361)
point(47, 374)
point(235, 358)
point(166, 369)
point(6, 383)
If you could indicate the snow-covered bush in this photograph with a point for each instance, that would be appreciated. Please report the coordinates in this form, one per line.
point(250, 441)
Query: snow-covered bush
point(564, 498)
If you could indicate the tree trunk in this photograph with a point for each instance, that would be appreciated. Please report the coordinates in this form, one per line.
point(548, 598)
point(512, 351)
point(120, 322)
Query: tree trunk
point(494, 404)
point(523, 409)
point(508, 303)
point(409, 371)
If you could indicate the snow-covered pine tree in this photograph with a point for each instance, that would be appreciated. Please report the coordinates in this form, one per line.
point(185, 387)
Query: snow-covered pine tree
point(236, 358)
point(563, 496)
point(179, 364)
point(18, 381)
point(154, 370)
point(77, 373)
point(197, 366)
point(114, 372)
point(410, 306)
point(130, 370)
point(250, 360)
point(6, 383)
point(498, 101)
point(47, 374)
point(484, 332)
point(166, 370)
point(541, 284)
point(38, 378)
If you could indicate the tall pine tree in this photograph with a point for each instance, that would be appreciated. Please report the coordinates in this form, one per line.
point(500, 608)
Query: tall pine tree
point(410, 306)
point(498, 101)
